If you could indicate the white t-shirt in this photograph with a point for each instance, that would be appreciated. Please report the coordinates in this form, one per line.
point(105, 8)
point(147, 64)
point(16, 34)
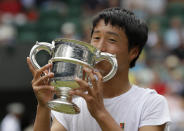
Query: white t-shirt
point(136, 108)
point(10, 123)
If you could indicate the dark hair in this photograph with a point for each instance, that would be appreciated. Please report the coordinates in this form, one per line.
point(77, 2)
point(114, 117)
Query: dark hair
point(135, 30)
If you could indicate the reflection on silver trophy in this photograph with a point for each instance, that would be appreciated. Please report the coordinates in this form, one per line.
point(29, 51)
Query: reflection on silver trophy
point(68, 58)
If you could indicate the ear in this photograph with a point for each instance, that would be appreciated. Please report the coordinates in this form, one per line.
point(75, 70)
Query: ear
point(133, 53)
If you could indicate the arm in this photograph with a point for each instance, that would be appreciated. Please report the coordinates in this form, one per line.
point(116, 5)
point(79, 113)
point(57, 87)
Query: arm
point(94, 100)
point(153, 128)
point(155, 114)
point(107, 123)
point(42, 121)
point(56, 126)
point(44, 93)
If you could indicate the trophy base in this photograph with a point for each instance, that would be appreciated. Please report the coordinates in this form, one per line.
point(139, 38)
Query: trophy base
point(63, 106)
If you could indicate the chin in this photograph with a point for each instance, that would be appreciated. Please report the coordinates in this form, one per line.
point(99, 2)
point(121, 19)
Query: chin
point(103, 67)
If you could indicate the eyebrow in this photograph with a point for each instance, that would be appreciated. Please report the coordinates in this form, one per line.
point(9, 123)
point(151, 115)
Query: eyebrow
point(109, 32)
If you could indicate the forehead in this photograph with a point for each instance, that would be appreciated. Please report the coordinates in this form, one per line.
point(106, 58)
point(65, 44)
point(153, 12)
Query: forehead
point(102, 26)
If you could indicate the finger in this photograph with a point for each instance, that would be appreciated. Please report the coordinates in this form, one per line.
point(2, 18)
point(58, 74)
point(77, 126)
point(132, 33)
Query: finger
point(42, 79)
point(43, 87)
point(31, 68)
point(100, 79)
point(80, 88)
point(49, 69)
point(79, 93)
point(41, 70)
point(87, 97)
point(46, 72)
point(83, 85)
point(92, 79)
point(83, 75)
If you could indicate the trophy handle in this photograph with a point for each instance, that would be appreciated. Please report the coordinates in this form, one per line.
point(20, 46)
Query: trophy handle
point(112, 59)
point(38, 47)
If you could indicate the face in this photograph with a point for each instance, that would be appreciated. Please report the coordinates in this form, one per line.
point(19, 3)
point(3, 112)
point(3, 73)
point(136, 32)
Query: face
point(111, 39)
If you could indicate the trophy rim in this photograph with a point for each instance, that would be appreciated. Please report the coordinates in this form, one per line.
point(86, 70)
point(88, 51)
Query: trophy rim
point(88, 45)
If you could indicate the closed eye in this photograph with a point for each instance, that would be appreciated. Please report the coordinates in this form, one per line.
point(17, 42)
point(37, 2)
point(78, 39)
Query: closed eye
point(97, 38)
point(112, 40)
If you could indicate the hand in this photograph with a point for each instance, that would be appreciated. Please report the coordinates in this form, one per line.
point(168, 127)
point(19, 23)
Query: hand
point(94, 95)
point(43, 90)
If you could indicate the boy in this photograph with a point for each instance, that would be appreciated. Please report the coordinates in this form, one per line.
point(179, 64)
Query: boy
point(114, 105)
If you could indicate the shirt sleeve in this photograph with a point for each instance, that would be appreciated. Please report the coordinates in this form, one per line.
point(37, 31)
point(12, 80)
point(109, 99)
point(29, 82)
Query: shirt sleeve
point(61, 118)
point(155, 111)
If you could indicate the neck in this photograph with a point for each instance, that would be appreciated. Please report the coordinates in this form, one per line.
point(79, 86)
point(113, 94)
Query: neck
point(116, 86)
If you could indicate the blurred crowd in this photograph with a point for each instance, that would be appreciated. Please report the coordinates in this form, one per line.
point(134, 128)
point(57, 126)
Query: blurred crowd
point(161, 64)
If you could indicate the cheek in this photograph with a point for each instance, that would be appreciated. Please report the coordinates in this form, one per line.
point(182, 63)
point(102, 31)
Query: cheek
point(122, 57)
point(123, 62)
point(94, 44)
point(112, 49)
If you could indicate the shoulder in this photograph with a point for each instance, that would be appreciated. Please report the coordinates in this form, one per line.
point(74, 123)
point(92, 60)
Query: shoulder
point(149, 97)
point(142, 89)
point(148, 93)
point(155, 110)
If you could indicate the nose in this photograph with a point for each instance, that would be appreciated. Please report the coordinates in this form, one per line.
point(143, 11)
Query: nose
point(101, 45)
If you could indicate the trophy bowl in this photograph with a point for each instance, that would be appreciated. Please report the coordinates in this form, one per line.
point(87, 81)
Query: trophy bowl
point(68, 58)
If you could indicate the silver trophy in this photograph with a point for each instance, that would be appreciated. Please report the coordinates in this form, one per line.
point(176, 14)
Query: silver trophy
point(68, 58)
